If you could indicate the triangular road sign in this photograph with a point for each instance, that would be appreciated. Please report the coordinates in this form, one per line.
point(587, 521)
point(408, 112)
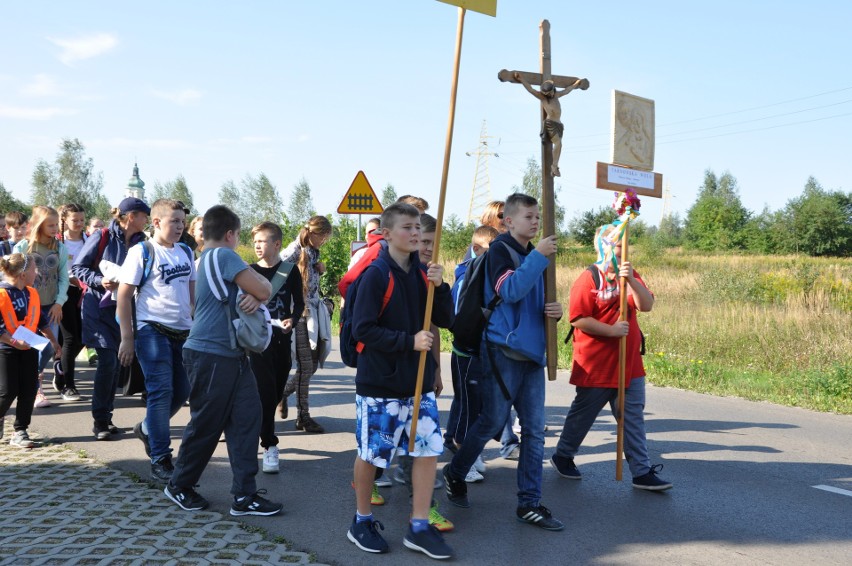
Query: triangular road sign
point(360, 198)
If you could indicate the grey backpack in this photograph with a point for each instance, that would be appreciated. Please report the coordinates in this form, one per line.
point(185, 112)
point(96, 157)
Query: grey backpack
point(251, 332)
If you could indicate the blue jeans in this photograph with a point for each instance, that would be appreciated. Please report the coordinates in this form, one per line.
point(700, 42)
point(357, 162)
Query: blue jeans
point(525, 383)
point(161, 359)
point(104, 385)
point(585, 409)
point(46, 355)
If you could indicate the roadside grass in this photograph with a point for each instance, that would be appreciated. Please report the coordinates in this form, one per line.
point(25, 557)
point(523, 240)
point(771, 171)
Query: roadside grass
point(773, 328)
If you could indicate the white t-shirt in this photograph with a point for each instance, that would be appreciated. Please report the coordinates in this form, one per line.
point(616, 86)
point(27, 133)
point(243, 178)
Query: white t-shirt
point(73, 247)
point(164, 298)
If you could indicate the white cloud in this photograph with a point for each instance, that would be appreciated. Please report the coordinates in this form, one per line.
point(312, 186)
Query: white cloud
point(42, 85)
point(84, 47)
point(25, 113)
point(181, 97)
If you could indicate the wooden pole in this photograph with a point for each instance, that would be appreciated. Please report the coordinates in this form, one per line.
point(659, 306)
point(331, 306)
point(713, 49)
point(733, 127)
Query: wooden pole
point(622, 356)
point(548, 216)
point(430, 295)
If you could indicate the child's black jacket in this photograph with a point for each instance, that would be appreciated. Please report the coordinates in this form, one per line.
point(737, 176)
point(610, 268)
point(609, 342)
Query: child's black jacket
point(387, 367)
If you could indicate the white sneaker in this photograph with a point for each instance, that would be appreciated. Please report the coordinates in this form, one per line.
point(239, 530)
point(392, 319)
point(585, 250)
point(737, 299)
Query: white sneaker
point(21, 439)
point(516, 426)
point(270, 460)
point(384, 481)
point(41, 401)
point(473, 476)
point(479, 465)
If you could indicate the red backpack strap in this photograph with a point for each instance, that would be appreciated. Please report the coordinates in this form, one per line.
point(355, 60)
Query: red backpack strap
point(102, 244)
point(359, 347)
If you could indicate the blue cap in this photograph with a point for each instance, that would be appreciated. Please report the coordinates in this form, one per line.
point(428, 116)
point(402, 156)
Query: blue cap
point(132, 204)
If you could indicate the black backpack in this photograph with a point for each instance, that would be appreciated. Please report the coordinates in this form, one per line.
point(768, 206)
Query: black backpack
point(472, 314)
point(596, 279)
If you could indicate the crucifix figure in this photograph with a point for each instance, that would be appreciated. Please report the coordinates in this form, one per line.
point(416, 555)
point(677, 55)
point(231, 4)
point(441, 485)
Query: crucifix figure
point(552, 128)
point(551, 148)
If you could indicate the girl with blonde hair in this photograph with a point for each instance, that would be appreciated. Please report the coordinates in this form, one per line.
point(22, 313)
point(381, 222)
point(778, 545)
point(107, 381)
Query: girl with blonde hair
point(51, 259)
point(19, 306)
point(72, 233)
point(313, 331)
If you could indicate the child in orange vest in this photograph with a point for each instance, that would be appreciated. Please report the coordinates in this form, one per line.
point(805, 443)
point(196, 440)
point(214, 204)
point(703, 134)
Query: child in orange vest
point(19, 307)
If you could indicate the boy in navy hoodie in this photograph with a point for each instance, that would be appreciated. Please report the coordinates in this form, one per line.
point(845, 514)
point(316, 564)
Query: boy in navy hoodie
point(512, 351)
point(393, 338)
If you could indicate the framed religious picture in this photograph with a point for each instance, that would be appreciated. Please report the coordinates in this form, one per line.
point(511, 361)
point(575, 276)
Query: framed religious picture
point(632, 131)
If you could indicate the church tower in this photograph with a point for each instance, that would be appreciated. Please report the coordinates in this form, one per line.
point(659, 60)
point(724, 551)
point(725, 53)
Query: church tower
point(135, 186)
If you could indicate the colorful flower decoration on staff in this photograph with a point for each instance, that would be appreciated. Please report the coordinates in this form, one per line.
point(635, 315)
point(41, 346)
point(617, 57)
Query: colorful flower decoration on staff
point(626, 205)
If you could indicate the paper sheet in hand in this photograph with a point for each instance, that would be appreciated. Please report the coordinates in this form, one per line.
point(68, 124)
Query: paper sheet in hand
point(37, 341)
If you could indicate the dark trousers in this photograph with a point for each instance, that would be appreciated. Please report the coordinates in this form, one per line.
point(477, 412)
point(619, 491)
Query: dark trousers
point(105, 385)
point(222, 397)
point(271, 369)
point(467, 401)
point(18, 379)
point(71, 335)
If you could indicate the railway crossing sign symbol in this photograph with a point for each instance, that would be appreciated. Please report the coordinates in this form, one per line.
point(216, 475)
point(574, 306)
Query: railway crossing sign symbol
point(360, 198)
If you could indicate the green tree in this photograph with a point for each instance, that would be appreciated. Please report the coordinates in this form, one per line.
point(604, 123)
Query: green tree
point(670, 232)
point(9, 203)
point(301, 206)
point(583, 227)
point(388, 196)
point(335, 254)
point(71, 178)
point(456, 236)
point(229, 196)
point(717, 218)
point(177, 190)
point(531, 185)
point(819, 222)
point(260, 201)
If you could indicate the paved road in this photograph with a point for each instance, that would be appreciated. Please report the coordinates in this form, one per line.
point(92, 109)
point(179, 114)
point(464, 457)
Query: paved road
point(743, 472)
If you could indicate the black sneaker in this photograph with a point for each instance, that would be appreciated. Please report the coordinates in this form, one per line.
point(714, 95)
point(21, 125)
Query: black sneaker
point(70, 394)
point(430, 542)
point(58, 377)
point(456, 489)
point(162, 469)
point(650, 481)
point(113, 429)
point(540, 517)
point(255, 505)
point(186, 498)
point(137, 430)
point(366, 536)
point(565, 467)
point(101, 430)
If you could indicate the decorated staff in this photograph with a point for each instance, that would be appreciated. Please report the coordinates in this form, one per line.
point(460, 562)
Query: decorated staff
point(626, 206)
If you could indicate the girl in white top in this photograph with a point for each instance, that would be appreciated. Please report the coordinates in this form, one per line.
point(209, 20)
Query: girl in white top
point(72, 224)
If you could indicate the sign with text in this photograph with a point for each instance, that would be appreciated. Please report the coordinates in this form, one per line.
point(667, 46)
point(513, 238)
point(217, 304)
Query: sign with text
point(360, 198)
point(487, 7)
point(620, 179)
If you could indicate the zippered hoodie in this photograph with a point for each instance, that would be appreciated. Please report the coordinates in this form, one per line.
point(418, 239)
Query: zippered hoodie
point(100, 329)
point(387, 367)
point(518, 321)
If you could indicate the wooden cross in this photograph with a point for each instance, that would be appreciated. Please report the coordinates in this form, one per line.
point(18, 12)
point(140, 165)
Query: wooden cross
point(548, 204)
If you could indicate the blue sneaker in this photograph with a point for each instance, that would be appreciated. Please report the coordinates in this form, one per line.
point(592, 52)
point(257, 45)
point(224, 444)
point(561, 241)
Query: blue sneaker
point(430, 542)
point(366, 536)
point(651, 482)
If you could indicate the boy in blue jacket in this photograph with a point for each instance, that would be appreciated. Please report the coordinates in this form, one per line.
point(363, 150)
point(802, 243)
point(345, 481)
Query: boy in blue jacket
point(392, 336)
point(512, 351)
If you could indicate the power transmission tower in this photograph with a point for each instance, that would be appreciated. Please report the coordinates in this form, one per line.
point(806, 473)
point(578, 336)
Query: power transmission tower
point(481, 193)
point(667, 202)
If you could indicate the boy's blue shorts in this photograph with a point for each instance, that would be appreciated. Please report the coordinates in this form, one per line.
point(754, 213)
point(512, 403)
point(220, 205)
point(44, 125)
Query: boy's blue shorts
point(383, 426)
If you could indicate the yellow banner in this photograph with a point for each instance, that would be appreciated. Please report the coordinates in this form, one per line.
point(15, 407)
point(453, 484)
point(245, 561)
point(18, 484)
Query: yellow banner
point(487, 7)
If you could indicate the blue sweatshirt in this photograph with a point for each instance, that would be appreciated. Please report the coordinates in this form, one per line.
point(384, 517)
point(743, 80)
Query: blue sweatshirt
point(387, 367)
point(518, 321)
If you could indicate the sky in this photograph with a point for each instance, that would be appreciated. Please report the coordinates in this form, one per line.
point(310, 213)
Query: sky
point(319, 90)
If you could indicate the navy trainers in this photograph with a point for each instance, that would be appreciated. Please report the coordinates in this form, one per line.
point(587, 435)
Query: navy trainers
point(162, 469)
point(650, 481)
point(430, 542)
point(366, 536)
point(186, 498)
point(137, 430)
point(255, 505)
point(565, 467)
point(456, 489)
point(540, 517)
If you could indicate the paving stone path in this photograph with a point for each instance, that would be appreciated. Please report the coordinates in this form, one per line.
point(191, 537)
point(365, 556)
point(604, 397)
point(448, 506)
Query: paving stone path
point(58, 506)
